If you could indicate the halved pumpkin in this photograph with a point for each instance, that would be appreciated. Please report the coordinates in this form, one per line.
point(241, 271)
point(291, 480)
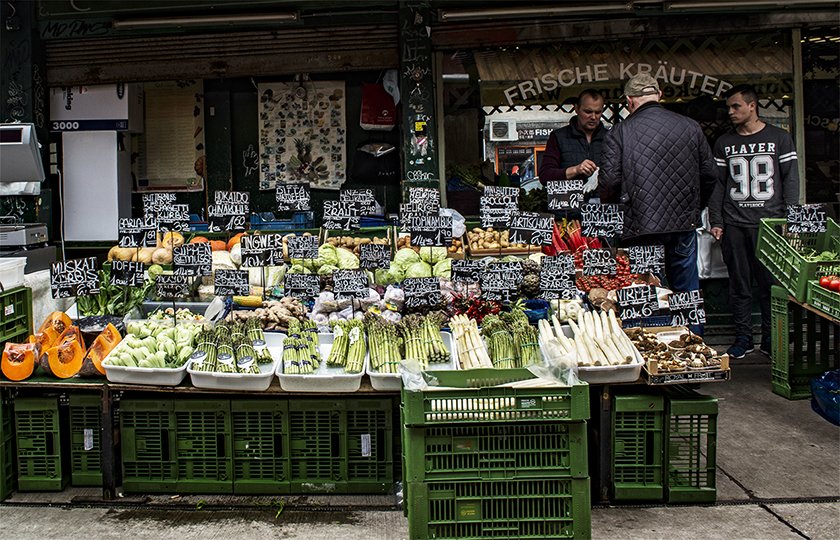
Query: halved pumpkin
point(99, 349)
point(19, 360)
point(52, 328)
point(64, 360)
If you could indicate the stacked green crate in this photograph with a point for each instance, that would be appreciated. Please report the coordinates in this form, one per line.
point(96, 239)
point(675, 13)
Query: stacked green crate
point(638, 447)
point(804, 346)
point(148, 442)
point(86, 440)
point(204, 446)
point(42, 456)
point(7, 446)
point(260, 446)
point(370, 445)
point(15, 315)
point(691, 447)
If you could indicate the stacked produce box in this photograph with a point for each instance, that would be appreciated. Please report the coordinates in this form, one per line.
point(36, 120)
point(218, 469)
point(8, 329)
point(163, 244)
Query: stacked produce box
point(495, 461)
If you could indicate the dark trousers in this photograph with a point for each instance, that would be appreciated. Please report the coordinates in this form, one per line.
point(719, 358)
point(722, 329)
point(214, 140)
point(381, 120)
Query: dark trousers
point(739, 256)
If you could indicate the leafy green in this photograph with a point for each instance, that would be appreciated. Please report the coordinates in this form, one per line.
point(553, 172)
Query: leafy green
point(115, 299)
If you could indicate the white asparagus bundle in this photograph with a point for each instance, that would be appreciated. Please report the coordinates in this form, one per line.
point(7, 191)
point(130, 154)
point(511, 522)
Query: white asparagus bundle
point(598, 340)
point(472, 351)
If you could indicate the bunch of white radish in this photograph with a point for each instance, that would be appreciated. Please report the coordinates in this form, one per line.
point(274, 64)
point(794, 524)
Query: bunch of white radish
point(597, 340)
point(472, 351)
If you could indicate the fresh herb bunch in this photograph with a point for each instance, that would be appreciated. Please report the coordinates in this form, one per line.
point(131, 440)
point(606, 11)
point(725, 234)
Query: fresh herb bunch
point(115, 299)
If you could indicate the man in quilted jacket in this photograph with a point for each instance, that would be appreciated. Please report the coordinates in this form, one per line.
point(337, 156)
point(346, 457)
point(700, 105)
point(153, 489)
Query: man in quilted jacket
point(659, 165)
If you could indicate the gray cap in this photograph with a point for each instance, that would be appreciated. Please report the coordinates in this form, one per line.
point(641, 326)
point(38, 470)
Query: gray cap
point(641, 84)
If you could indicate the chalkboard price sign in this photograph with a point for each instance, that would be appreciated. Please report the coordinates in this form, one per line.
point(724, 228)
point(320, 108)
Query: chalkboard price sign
point(293, 197)
point(261, 250)
point(137, 232)
point(303, 286)
point(350, 284)
point(422, 292)
point(374, 256)
point(230, 211)
point(557, 277)
point(501, 191)
point(172, 286)
point(806, 218)
point(431, 231)
point(127, 273)
point(155, 202)
point(303, 247)
point(686, 308)
point(605, 220)
point(231, 283)
point(598, 262)
point(466, 271)
point(637, 302)
point(192, 260)
point(564, 194)
point(495, 210)
point(76, 277)
point(173, 218)
point(646, 259)
point(500, 280)
point(531, 228)
point(363, 199)
point(424, 200)
point(341, 216)
point(408, 212)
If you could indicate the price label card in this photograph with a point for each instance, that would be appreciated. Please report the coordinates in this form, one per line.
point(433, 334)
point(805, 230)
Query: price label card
point(303, 247)
point(173, 218)
point(363, 199)
point(564, 194)
point(557, 277)
point(598, 262)
point(422, 292)
point(637, 302)
point(605, 220)
point(431, 231)
point(341, 216)
point(231, 283)
point(350, 284)
point(192, 260)
point(407, 213)
point(424, 200)
point(76, 277)
point(495, 210)
point(466, 271)
point(293, 197)
point(127, 273)
point(686, 308)
point(137, 232)
point(806, 218)
point(646, 259)
point(502, 191)
point(155, 202)
point(172, 286)
point(531, 228)
point(303, 286)
point(230, 211)
point(261, 250)
point(500, 280)
point(374, 256)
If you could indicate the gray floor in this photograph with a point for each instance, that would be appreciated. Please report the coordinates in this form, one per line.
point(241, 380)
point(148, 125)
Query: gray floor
point(778, 477)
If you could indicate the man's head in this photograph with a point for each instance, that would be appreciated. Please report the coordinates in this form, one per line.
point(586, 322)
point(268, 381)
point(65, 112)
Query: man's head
point(589, 108)
point(641, 89)
point(742, 103)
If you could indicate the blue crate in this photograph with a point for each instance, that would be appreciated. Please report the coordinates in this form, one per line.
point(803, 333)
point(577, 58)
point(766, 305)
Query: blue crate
point(267, 220)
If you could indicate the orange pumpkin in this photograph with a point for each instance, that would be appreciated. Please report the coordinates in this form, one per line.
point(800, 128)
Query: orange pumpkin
point(218, 245)
point(199, 240)
point(235, 239)
point(19, 360)
point(99, 349)
point(64, 359)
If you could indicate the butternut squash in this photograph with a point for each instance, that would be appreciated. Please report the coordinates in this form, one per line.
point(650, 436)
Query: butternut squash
point(19, 360)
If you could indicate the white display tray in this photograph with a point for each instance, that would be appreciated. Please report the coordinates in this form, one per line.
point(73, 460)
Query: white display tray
point(325, 379)
point(242, 381)
point(613, 373)
point(393, 381)
point(138, 375)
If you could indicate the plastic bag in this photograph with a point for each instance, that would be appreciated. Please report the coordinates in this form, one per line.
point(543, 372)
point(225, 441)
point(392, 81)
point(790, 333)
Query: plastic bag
point(459, 224)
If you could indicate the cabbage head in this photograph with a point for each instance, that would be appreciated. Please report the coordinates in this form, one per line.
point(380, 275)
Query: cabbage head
point(418, 269)
point(432, 255)
point(327, 270)
point(405, 257)
point(443, 269)
point(382, 277)
point(395, 273)
point(347, 260)
point(298, 269)
point(328, 255)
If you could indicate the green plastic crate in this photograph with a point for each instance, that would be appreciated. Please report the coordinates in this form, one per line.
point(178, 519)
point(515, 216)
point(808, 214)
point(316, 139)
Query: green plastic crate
point(15, 313)
point(204, 446)
point(7, 422)
point(823, 299)
point(7, 467)
point(260, 446)
point(147, 435)
point(41, 451)
point(804, 346)
point(546, 508)
point(370, 445)
point(638, 447)
point(496, 451)
point(782, 255)
point(692, 447)
point(86, 440)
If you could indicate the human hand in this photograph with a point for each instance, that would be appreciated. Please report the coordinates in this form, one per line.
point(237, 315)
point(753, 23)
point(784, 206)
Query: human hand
point(717, 232)
point(586, 167)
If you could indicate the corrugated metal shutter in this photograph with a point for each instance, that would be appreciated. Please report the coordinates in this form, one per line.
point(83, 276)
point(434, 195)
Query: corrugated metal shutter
point(229, 54)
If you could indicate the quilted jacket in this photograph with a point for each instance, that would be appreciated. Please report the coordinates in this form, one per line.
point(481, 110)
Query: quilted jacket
point(659, 164)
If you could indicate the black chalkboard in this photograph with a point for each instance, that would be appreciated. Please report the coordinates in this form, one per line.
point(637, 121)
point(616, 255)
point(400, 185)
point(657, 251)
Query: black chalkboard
point(173, 218)
point(686, 308)
point(564, 194)
point(531, 228)
point(303, 286)
point(646, 259)
point(422, 292)
point(155, 202)
point(466, 271)
point(127, 273)
point(137, 232)
point(374, 256)
point(500, 280)
point(350, 284)
point(598, 262)
point(229, 212)
point(424, 200)
point(231, 283)
point(495, 210)
point(363, 198)
point(192, 260)
point(76, 277)
point(557, 277)
point(341, 216)
point(293, 197)
point(172, 286)
point(302, 247)
point(605, 220)
point(261, 250)
point(430, 231)
point(806, 218)
point(638, 302)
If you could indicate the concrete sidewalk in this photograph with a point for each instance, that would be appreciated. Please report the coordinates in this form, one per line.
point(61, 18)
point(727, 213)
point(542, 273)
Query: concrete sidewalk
point(778, 477)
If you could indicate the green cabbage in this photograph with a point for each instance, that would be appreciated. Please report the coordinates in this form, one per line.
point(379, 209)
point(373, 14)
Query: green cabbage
point(347, 260)
point(432, 255)
point(298, 269)
point(418, 269)
point(383, 276)
point(328, 255)
point(327, 270)
point(405, 257)
point(443, 269)
point(395, 273)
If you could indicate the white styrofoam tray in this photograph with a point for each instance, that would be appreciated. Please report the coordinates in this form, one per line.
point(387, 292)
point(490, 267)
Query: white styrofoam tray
point(609, 374)
point(393, 381)
point(11, 272)
point(242, 381)
point(325, 379)
point(138, 375)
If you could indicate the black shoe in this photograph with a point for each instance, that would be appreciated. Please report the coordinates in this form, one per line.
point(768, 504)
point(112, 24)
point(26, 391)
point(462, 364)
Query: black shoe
point(740, 348)
point(766, 348)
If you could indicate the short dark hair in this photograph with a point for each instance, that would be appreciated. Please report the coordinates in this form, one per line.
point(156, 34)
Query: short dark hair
point(590, 92)
point(747, 92)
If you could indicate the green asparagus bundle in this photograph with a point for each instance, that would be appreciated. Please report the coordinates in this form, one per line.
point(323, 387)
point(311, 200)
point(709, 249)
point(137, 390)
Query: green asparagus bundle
point(525, 337)
point(205, 343)
point(254, 332)
point(296, 360)
point(225, 355)
point(384, 344)
point(422, 340)
point(246, 357)
point(341, 342)
point(500, 342)
point(356, 349)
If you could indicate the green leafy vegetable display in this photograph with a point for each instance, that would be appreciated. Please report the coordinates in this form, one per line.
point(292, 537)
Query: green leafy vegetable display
point(116, 299)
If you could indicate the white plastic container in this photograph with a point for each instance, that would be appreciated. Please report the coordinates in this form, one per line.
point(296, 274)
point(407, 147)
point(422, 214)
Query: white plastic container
point(242, 381)
point(389, 382)
point(620, 373)
point(325, 379)
point(11, 272)
point(148, 376)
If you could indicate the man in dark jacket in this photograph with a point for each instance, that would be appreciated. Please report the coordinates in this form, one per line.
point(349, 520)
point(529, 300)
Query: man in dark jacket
point(659, 164)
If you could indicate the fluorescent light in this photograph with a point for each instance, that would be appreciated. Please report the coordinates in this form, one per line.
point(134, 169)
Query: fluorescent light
point(176, 22)
point(512, 13)
point(736, 4)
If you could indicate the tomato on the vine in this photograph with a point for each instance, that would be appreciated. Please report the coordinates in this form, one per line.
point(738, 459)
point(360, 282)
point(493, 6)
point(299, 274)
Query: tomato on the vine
point(825, 281)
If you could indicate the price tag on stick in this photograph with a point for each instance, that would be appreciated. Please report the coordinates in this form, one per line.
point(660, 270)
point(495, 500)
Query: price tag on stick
point(598, 262)
point(564, 194)
point(363, 199)
point(422, 292)
point(261, 250)
point(638, 302)
point(303, 286)
point(686, 308)
point(431, 231)
point(127, 273)
point(531, 228)
point(500, 280)
point(424, 200)
point(192, 260)
point(646, 259)
point(341, 216)
point(606, 220)
point(806, 218)
point(230, 211)
point(466, 271)
point(374, 256)
point(172, 286)
point(173, 218)
point(495, 210)
point(557, 277)
point(75, 277)
point(137, 232)
point(293, 197)
point(155, 202)
point(350, 284)
point(231, 283)
point(303, 247)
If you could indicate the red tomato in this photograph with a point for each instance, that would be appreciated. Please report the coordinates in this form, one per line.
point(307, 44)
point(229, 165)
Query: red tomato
point(834, 285)
point(825, 281)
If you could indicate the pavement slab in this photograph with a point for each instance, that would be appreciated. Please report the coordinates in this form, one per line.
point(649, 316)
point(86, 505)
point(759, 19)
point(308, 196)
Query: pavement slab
point(816, 521)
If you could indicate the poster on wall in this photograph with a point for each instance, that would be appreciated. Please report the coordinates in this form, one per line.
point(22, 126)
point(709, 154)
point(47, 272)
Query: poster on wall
point(302, 134)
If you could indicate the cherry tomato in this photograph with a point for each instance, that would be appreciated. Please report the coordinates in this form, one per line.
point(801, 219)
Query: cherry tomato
point(834, 285)
point(825, 281)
